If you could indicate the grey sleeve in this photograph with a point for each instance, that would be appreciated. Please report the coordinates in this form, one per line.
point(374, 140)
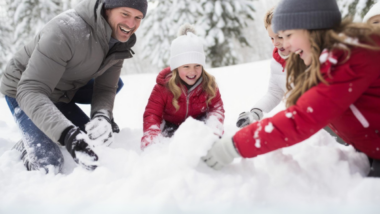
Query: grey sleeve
point(45, 69)
point(105, 89)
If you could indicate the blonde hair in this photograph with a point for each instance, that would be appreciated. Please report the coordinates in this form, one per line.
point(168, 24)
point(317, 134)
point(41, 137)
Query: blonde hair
point(268, 17)
point(208, 85)
point(302, 78)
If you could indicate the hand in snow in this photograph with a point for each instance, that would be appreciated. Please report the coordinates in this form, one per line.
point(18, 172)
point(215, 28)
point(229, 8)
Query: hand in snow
point(100, 129)
point(76, 145)
point(221, 153)
point(247, 118)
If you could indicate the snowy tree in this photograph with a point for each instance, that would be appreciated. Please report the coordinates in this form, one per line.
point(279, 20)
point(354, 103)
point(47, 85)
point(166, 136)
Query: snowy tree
point(161, 25)
point(27, 17)
point(156, 30)
point(220, 22)
point(223, 23)
point(5, 47)
point(5, 41)
point(355, 8)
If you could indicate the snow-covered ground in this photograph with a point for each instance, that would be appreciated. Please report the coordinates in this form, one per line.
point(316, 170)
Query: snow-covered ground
point(315, 176)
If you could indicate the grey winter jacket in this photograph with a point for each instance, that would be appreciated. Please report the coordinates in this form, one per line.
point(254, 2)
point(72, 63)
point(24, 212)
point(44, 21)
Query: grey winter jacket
point(68, 52)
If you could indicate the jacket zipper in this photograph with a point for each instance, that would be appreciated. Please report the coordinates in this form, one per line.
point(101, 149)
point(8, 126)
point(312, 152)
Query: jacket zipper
point(188, 96)
point(359, 116)
point(187, 102)
point(187, 106)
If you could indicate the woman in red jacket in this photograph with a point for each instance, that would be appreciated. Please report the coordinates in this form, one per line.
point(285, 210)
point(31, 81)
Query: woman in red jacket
point(183, 90)
point(334, 78)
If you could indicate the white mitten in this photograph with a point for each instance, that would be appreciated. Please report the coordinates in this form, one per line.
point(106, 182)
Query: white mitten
point(221, 153)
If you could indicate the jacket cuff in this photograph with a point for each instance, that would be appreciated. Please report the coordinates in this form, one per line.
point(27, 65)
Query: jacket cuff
point(244, 142)
point(104, 113)
point(63, 135)
point(237, 154)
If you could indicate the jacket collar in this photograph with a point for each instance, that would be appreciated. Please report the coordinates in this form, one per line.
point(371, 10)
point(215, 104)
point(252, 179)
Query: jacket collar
point(164, 76)
point(279, 58)
point(328, 59)
point(196, 84)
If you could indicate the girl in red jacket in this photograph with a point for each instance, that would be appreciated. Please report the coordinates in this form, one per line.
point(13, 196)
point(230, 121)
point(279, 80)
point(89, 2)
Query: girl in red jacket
point(183, 90)
point(333, 78)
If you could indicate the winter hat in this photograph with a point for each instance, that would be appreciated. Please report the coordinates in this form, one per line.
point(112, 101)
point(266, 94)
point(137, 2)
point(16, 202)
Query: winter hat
point(141, 5)
point(306, 14)
point(374, 11)
point(187, 48)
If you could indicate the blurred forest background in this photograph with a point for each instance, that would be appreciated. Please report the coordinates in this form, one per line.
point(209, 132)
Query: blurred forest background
point(233, 30)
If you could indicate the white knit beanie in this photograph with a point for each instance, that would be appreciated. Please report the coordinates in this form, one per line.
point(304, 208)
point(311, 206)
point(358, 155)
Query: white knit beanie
point(187, 48)
point(374, 11)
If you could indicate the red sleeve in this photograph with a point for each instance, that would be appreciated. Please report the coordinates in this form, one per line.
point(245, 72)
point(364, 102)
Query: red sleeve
point(153, 115)
point(314, 109)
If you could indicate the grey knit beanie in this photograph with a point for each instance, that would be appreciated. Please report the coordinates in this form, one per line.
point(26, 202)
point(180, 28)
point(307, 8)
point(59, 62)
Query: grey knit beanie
point(306, 14)
point(141, 5)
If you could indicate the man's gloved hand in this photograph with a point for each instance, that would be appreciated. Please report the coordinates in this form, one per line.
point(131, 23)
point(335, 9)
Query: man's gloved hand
point(221, 153)
point(247, 118)
point(100, 129)
point(76, 145)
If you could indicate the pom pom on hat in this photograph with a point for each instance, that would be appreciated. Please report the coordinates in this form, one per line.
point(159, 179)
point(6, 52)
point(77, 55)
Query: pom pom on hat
point(187, 48)
point(184, 29)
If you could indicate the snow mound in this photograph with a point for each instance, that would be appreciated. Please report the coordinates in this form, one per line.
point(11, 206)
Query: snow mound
point(317, 175)
point(188, 147)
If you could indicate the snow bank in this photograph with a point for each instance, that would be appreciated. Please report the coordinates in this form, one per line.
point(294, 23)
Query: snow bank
point(316, 176)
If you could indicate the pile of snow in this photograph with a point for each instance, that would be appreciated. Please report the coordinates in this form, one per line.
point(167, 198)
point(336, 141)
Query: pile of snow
point(317, 175)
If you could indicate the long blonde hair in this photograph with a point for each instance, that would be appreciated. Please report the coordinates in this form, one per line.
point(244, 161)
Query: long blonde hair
point(268, 17)
point(208, 85)
point(301, 78)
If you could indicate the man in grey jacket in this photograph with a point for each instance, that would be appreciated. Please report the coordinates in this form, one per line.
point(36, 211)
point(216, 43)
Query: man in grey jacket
point(79, 48)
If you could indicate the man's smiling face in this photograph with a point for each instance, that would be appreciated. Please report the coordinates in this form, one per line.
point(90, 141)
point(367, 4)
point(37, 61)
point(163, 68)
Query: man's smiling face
point(124, 21)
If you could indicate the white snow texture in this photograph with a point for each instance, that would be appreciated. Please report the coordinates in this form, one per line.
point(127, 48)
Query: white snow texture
point(315, 176)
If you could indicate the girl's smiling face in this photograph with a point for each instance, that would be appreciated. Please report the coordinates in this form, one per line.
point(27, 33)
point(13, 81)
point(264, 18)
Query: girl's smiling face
point(277, 41)
point(375, 21)
point(298, 42)
point(190, 73)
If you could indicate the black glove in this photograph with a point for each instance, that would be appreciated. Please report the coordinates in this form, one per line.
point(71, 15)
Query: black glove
point(79, 149)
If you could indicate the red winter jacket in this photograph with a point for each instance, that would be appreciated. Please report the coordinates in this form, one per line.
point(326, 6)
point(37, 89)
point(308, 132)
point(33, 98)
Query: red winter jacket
point(350, 105)
point(192, 104)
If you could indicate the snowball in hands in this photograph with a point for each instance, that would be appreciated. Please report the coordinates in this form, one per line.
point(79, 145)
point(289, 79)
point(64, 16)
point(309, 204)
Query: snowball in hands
point(99, 130)
point(221, 153)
